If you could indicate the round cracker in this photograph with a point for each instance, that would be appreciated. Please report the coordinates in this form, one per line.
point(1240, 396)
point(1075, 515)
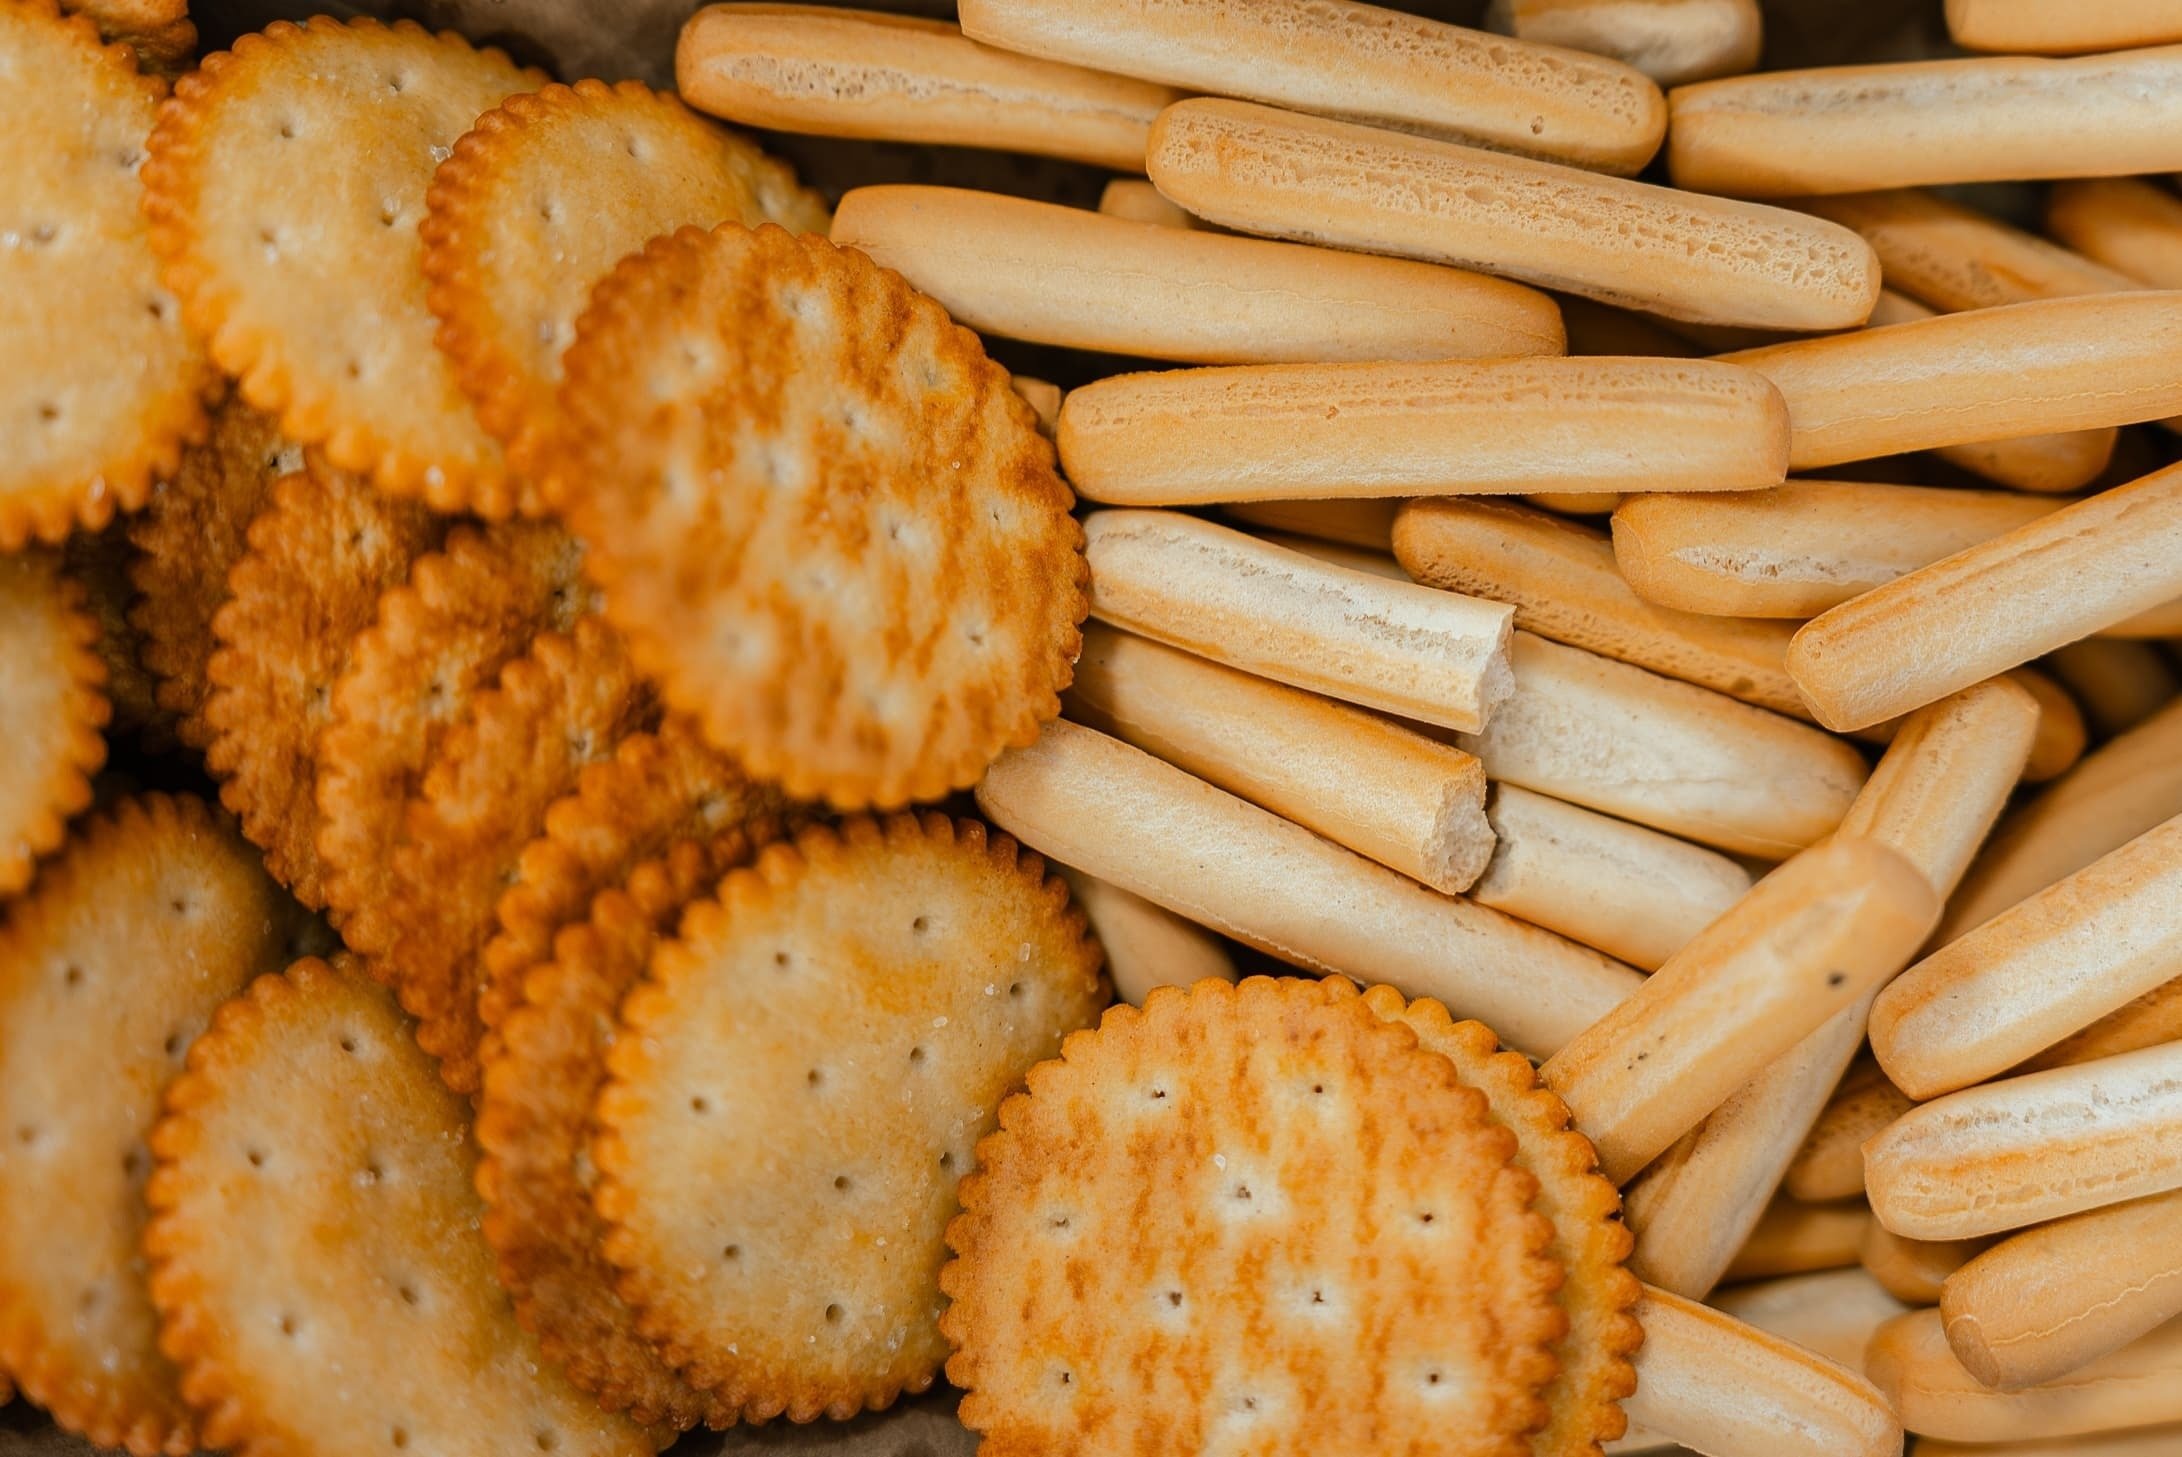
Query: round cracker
point(799, 1084)
point(100, 385)
point(1590, 1242)
point(657, 789)
point(543, 196)
point(437, 641)
point(193, 531)
point(159, 31)
point(313, 296)
point(314, 1248)
point(154, 915)
point(825, 521)
point(320, 556)
point(563, 705)
point(98, 562)
point(534, 1127)
point(52, 706)
point(1250, 1215)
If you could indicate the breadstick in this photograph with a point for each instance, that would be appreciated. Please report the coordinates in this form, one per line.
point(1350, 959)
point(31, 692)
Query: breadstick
point(2109, 799)
point(2165, 620)
point(2151, 1019)
point(1704, 259)
point(1671, 41)
point(1372, 562)
point(1083, 799)
point(1831, 1312)
point(2136, 1386)
point(1043, 397)
point(1644, 894)
point(1575, 503)
point(1801, 1239)
point(1491, 427)
point(1139, 202)
point(1808, 940)
point(1954, 257)
point(1069, 276)
point(1994, 606)
point(1682, 759)
point(858, 73)
point(1351, 521)
point(1411, 803)
point(1596, 328)
point(2040, 27)
point(1990, 374)
point(2048, 966)
point(1830, 1165)
point(2162, 1441)
point(1564, 584)
point(1803, 547)
point(1146, 945)
point(1369, 64)
point(2062, 733)
point(2128, 224)
point(1224, 595)
point(1914, 1270)
point(1715, 1384)
point(2028, 1148)
point(1988, 119)
point(2050, 1300)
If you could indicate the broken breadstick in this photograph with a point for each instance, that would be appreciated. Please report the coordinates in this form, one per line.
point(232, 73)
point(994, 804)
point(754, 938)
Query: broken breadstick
point(2040, 27)
point(1704, 259)
point(1803, 547)
point(1995, 605)
point(1092, 802)
point(2051, 1300)
point(1486, 427)
point(2027, 1149)
point(1362, 62)
point(1146, 945)
point(2127, 223)
point(1671, 41)
point(1987, 119)
point(1679, 758)
point(2136, 1386)
point(1069, 276)
point(897, 78)
point(1808, 940)
point(1564, 584)
point(1411, 803)
point(1424, 654)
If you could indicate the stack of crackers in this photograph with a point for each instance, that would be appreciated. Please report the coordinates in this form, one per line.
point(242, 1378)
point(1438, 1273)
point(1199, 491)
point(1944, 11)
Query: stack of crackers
point(579, 781)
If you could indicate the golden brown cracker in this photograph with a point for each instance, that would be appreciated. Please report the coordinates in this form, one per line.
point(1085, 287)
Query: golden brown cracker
point(311, 292)
point(827, 524)
point(192, 531)
point(562, 705)
point(154, 914)
point(1590, 1242)
point(655, 790)
point(159, 31)
point(799, 1083)
point(52, 708)
point(545, 194)
point(98, 561)
point(100, 385)
point(534, 1127)
point(1251, 1217)
point(315, 1257)
point(436, 642)
point(319, 557)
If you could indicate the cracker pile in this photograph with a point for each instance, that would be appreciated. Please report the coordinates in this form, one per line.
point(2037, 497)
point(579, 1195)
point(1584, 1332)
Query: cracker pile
point(567, 834)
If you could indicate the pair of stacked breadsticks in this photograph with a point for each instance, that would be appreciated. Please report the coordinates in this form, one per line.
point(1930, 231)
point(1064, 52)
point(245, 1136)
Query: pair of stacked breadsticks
point(1278, 733)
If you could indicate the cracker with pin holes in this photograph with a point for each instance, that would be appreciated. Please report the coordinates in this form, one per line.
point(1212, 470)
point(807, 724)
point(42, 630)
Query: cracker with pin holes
point(159, 31)
point(1590, 1242)
point(799, 1083)
point(1251, 1217)
point(560, 706)
point(534, 1125)
point(191, 533)
point(319, 557)
point(437, 641)
point(313, 1244)
point(100, 384)
point(154, 914)
point(657, 789)
point(284, 187)
point(545, 194)
point(827, 525)
point(52, 707)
